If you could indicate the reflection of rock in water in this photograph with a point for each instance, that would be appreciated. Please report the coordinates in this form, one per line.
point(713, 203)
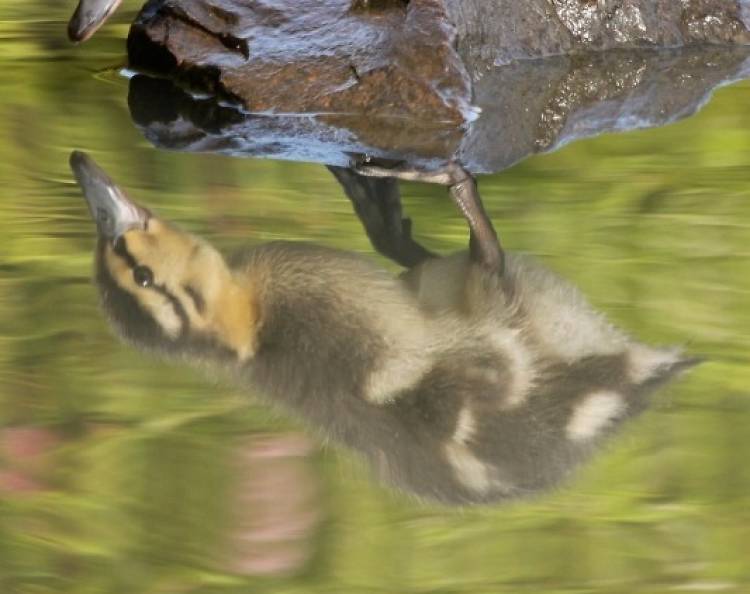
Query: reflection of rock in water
point(586, 84)
point(275, 508)
point(526, 107)
point(532, 107)
point(25, 467)
point(457, 383)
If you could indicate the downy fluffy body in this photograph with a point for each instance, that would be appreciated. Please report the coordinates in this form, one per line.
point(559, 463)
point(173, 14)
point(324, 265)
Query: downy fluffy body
point(461, 386)
point(458, 384)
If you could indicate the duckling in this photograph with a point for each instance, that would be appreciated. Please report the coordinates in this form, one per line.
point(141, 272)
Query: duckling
point(458, 382)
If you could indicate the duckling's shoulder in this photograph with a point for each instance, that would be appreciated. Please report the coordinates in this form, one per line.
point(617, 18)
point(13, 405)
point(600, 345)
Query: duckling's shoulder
point(346, 308)
point(289, 264)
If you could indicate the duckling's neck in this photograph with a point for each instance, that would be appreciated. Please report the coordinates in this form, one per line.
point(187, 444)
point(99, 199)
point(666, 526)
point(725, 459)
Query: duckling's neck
point(325, 328)
point(235, 316)
point(223, 316)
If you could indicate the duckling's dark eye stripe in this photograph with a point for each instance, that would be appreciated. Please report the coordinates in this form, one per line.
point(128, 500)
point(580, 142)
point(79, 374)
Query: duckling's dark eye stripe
point(198, 301)
point(121, 249)
point(176, 306)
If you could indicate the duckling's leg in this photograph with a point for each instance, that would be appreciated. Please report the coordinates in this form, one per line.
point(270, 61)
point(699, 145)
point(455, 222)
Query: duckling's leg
point(484, 244)
point(377, 203)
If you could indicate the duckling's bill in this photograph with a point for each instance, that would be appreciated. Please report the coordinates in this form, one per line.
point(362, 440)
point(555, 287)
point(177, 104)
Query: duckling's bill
point(88, 17)
point(113, 212)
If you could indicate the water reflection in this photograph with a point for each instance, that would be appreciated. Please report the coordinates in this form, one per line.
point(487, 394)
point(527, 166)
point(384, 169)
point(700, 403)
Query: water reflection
point(652, 226)
point(467, 379)
point(271, 507)
point(525, 108)
point(25, 459)
point(274, 506)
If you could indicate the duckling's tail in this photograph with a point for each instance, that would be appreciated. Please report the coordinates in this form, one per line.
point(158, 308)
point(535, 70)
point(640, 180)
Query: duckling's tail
point(666, 373)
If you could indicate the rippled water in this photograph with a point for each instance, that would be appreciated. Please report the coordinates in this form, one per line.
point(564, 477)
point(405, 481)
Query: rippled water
point(119, 473)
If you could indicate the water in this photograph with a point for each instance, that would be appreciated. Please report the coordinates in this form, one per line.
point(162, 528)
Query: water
point(120, 473)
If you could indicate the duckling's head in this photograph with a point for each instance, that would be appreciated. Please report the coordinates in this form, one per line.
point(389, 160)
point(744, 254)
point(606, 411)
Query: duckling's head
point(163, 289)
point(88, 17)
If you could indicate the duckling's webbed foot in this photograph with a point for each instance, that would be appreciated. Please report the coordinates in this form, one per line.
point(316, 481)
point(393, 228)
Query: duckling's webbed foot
point(377, 203)
point(484, 245)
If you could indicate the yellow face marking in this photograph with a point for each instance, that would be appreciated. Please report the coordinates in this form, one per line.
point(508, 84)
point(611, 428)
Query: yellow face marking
point(236, 319)
point(179, 260)
point(165, 250)
point(156, 304)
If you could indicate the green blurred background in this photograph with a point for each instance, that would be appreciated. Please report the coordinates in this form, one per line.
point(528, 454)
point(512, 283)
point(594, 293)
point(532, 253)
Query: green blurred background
point(123, 474)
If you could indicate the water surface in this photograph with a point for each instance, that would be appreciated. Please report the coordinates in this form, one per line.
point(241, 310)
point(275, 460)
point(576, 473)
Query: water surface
point(119, 473)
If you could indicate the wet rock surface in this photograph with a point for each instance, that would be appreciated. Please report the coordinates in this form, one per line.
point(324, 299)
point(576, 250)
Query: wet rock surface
point(415, 59)
point(327, 56)
point(530, 107)
point(502, 31)
point(526, 107)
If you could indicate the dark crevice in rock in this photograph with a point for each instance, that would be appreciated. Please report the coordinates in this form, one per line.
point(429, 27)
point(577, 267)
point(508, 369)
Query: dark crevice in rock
point(147, 54)
point(229, 41)
point(377, 4)
point(159, 101)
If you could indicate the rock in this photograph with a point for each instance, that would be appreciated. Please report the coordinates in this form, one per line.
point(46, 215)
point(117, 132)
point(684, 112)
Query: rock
point(286, 56)
point(530, 107)
point(503, 31)
point(425, 81)
point(526, 107)
point(411, 59)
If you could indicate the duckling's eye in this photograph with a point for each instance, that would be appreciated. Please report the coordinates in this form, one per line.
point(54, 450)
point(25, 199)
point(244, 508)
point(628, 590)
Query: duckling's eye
point(143, 276)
